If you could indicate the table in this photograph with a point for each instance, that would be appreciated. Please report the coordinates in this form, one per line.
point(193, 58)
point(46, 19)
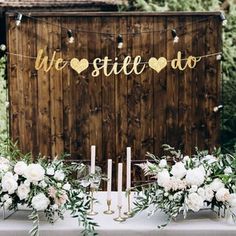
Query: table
point(204, 223)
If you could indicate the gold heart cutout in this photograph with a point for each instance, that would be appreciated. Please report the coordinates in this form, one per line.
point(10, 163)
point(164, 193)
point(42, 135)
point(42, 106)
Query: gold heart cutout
point(157, 65)
point(79, 65)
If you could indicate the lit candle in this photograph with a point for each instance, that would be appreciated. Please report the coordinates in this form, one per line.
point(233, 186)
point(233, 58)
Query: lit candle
point(119, 187)
point(93, 154)
point(109, 176)
point(128, 169)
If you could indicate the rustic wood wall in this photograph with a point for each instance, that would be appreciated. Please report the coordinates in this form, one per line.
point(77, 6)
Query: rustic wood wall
point(59, 112)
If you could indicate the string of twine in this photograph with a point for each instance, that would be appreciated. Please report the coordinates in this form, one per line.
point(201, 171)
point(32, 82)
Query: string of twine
point(117, 63)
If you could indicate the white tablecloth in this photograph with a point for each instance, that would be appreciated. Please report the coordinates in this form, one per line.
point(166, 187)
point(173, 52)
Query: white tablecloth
point(204, 223)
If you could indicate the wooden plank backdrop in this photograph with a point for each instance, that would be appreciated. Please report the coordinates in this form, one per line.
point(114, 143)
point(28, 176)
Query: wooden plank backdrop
point(59, 112)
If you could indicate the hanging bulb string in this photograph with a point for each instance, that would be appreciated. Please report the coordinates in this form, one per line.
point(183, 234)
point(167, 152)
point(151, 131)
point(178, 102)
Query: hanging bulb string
point(115, 34)
point(110, 64)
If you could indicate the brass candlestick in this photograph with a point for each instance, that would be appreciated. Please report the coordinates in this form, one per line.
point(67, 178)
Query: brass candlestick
point(91, 212)
point(119, 218)
point(129, 213)
point(108, 211)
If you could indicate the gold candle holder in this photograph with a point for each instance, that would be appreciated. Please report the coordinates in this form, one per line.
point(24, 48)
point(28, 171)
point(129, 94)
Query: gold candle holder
point(129, 213)
point(108, 211)
point(91, 212)
point(119, 218)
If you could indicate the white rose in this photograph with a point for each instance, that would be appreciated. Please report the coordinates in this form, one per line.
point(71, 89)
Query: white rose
point(5, 197)
point(209, 159)
point(8, 203)
point(216, 184)
point(162, 163)
point(232, 200)
point(201, 192)
point(43, 184)
point(163, 178)
point(4, 164)
point(228, 170)
point(34, 173)
point(27, 183)
point(186, 159)
point(195, 176)
point(50, 171)
point(20, 168)
point(54, 206)
point(222, 195)
point(40, 202)
point(194, 202)
point(23, 191)
point(209, 194)
point(67, 186)
point(9, 183)
point(178, 170)
point(59, 175)
point(193, 189)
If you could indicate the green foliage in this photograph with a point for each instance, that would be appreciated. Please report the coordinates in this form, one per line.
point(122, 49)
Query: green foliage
point(228, 127)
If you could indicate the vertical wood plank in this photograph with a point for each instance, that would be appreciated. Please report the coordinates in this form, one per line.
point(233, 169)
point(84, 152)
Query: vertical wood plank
point(172, 86)
point(146, 78)
point(108, 47)
point(121, 99)
point(82, 94)
point(160, 86)
point(184, 78)
point(56, 96)
point(13, 81)
point(44, 134)
point(199, 129)
point(95, 88)
point(134, 90)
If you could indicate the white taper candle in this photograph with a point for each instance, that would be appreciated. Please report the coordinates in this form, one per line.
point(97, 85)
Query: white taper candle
point(109, 176)
point(119, 186)
point(128, 168)
point(93, 155)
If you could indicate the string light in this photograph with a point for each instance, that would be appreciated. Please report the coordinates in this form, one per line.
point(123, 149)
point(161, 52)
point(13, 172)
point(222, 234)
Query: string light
point(71, 38)
point(175, 36)
point(223, 19)
point(3, 47)
point(218, 108)
point(218, 57)
point(18, 18)
point(119, 41)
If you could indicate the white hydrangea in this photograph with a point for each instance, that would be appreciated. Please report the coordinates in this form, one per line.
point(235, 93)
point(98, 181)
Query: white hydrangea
point(59, 175)
point(40, 202)
point(222, 195)
point(23, 191)
point(178, 170)
point(9, 183)
point(195, 176)
point(194, 202)
point(162, 163)
point(20, 168)
point(50, 171)
point(163, 178)
point(34, 173)
point(216, 184)
point(66, 186)
point(4, 164)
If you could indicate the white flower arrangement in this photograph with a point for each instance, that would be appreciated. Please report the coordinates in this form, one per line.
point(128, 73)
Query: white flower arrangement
point(183, 183)
point(44, 185)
